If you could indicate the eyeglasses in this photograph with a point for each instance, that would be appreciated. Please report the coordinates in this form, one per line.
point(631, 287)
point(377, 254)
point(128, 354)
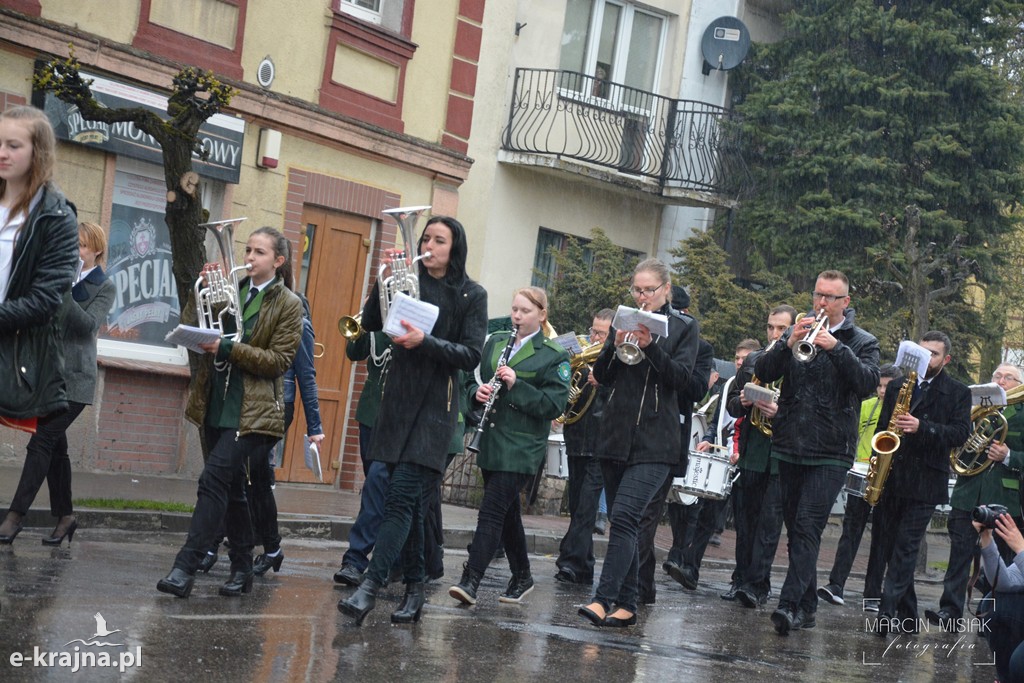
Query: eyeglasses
point(829, 298)
point(594, 332)
point(996, 376)
point(649, 291)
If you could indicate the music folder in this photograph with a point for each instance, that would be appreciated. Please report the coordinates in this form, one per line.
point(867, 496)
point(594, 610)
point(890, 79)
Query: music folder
point(191, 337)
point(417, 313)
point(629, 319)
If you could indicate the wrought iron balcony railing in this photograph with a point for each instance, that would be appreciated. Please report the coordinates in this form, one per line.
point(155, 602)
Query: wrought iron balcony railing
point(678, 143)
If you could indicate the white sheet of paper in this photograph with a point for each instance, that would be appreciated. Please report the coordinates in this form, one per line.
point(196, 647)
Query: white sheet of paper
point(755, 392)
point(313, 459)
point(913, 356)
point(415, 312)
point(629, 319)
point(569, 342)
point(191, 337)
point(990, 394)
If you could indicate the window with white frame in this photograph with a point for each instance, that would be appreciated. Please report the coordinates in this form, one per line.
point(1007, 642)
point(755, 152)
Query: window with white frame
point(612, 41)
point(386, 13)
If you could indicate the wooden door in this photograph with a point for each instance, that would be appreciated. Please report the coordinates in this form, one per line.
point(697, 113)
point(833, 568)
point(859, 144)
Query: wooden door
point(334, 262)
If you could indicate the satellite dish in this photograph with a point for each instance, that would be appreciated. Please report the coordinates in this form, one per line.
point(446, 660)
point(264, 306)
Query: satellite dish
point(725, 44)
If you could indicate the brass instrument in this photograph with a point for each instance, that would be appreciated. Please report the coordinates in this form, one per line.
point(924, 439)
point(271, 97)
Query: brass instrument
point(757, 418)
point(629, 352)
point(404, 277)
point(885, 444)
point(805, 350)
point(351, 326)
point(581, 365)
point(217, 285)
point(990, 427)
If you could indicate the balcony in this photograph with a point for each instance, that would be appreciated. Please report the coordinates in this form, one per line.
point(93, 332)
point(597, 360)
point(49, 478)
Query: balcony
point(673, 151)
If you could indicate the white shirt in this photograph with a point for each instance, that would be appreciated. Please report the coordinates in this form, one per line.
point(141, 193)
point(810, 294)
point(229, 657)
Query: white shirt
point(8, 236)
point(519, 344)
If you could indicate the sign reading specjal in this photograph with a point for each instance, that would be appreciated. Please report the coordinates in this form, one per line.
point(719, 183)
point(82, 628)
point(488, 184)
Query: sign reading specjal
point(221, 136)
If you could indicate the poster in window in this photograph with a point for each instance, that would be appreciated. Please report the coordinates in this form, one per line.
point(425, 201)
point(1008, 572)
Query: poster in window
point(139, 263)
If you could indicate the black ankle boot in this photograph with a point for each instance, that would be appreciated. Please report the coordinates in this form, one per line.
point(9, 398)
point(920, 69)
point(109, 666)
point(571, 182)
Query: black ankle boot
point(239, 582)
point(178, 582)
point(265, 563)
point(465, 590)
point(520, 584)
point(412, 605)
point(206, 564)
point(359, 604)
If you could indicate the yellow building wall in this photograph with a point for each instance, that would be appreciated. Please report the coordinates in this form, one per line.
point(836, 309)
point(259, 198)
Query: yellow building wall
point(113, 19)
point(295, 41)
point(429, 73)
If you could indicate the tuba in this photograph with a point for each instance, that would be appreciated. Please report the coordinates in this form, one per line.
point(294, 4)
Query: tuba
point(403, 277)
point(885, 444)
point(217, 285)
point(805, 350)
point(990, 427)
point(580, 365)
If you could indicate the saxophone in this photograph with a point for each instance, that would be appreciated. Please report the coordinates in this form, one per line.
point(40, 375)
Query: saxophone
point(885, 444)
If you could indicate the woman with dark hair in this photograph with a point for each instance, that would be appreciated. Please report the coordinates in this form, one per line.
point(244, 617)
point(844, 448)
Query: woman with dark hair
point(640, 437)
point(38, 225)
point(235, 398)
point(534, 387)
point(420, 408)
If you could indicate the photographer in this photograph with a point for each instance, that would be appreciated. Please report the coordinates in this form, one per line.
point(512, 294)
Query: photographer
point(1006, 625)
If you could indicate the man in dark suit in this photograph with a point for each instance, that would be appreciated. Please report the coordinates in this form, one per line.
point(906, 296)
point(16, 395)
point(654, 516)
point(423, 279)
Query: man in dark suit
point(939, 419)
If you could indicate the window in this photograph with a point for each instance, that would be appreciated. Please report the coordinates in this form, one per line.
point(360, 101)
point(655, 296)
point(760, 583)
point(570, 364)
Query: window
point(612, 42)
point(544, 267)
point(389, 14)
point(367, 10)
point(207, 33)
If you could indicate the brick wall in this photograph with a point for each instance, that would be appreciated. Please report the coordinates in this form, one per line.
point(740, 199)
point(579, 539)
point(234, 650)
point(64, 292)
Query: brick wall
point(140, 422)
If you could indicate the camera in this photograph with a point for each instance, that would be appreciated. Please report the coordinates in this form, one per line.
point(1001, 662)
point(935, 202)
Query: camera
point(986, 514)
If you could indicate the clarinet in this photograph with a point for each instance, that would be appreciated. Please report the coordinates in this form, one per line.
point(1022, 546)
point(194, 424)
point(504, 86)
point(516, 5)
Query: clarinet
point(495, 384)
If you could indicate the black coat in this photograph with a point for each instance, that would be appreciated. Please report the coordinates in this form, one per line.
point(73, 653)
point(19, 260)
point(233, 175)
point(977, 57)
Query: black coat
point(641, 419)
point(419, 407)
point(819, 404)
point(45, 258)
point(695, 391)
point(920, 468)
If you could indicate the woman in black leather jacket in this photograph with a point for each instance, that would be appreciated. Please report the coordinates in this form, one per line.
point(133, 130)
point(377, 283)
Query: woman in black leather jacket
point(640, 439)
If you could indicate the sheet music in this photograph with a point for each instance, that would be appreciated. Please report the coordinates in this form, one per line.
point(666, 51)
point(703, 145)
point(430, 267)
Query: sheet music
point(754, 392)
point(569, 342)
point(191, 337)
point(990, 394)
point(313, 459)
point(913, 356)
point(629, 319)
point(415, 312)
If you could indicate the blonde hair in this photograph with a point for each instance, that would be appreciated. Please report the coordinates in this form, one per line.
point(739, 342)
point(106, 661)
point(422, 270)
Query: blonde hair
point(536, 296)
point(653, 265)
point(44, 145)
point(96, 239)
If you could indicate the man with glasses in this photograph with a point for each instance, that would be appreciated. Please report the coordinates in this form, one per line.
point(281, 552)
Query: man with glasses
point(1000, 484)
point(814, 432)
point(576, 551)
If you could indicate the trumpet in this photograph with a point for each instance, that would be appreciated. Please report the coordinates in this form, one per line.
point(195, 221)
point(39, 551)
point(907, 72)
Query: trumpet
point(629, 352)
point(403, 277)
point(351, 326)
point(805, 350)
point(217, 285)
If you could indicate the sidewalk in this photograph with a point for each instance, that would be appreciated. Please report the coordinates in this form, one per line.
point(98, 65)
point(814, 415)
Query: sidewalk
point(310, 510)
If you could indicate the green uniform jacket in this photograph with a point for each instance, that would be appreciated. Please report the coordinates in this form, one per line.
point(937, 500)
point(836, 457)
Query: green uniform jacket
point(373, 387)
point(515, 437)
point(1000, 482)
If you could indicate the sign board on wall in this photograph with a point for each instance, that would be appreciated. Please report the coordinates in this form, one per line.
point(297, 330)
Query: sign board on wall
point(221, 136)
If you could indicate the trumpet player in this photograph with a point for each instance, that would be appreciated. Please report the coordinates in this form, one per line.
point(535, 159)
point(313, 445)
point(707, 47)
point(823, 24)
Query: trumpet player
point(814, 432)
point(938, 420)
point(576, 551)
point(998, 483)
point(755, 494)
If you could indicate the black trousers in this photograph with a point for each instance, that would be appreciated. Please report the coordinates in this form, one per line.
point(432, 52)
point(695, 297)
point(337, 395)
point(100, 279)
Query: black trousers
point(758, 578)
point(262, 505)
point(221, 497)
point(1005, 636)
point(401, 531)
point(748, 494)
point(46, 457)
point(683, 521)
point(707, 526)
point(854, 520)
point(808, 492)
point(648, 530)
point(576, 551)
point(500, 522)
point(903, 523)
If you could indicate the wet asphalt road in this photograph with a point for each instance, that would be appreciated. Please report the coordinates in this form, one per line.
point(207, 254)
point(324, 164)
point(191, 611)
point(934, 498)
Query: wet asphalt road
point(289, 627)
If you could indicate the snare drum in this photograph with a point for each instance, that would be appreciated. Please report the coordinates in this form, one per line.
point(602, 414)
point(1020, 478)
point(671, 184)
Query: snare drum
point(709, 475)
point(558, 460)
point(676, 494)
point(857, 480)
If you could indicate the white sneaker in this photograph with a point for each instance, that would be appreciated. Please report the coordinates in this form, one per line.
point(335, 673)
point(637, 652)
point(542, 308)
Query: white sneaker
point(831, 594)
point(871, 604)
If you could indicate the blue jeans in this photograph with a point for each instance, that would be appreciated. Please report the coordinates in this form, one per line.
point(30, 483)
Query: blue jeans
point(401, 530)
point(808, 492)
point(500, 521)
point(629, 488)
point(363, 534)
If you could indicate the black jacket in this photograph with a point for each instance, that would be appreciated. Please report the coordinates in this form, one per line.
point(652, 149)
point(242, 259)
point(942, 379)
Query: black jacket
point(920, 468)
point(45, 259)
point(695, 391)
point(641, 418)
point(819, 407)
point(581, 436)
point(419, 407)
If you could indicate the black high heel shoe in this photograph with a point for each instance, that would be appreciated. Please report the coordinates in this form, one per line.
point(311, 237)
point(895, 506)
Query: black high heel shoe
point(265, 563)
point(55, 540)
point(240, 582)
point(206, 564)
point(7, 539)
